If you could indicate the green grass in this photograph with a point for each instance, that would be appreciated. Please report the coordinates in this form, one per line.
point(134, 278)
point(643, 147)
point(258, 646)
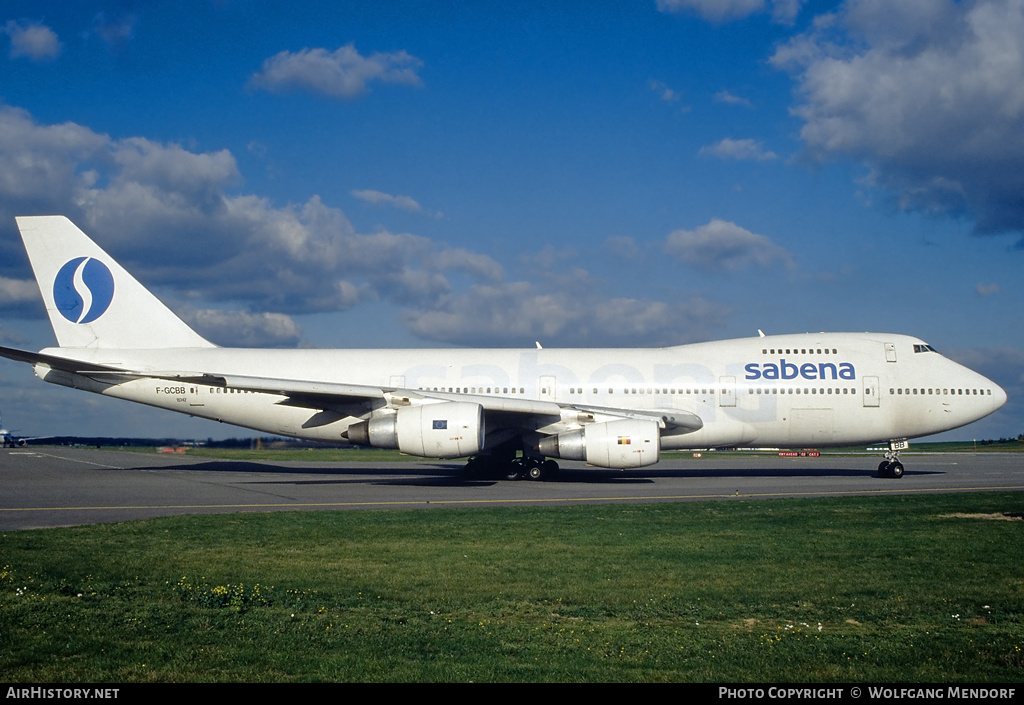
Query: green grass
point(874, 589)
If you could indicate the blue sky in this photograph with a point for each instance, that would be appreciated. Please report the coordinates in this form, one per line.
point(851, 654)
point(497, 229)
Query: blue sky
point(413, 174)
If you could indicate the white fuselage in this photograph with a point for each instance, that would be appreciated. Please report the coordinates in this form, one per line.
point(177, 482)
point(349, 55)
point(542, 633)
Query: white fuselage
point(784, 391)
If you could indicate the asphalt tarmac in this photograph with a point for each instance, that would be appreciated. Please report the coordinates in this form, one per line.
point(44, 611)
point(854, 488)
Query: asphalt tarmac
point(48, 487)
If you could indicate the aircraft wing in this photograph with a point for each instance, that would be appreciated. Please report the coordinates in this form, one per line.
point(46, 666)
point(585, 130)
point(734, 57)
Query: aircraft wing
point(321, 395)
point(357, 399)
point(327, 395)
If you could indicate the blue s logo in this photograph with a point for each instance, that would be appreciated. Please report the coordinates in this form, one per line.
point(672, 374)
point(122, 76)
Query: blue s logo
point(83, 290)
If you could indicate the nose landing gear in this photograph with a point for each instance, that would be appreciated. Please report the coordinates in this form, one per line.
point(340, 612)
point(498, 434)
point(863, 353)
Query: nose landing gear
point(891, 467)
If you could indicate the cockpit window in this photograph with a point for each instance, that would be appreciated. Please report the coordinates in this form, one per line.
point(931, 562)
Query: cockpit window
point(924, 348)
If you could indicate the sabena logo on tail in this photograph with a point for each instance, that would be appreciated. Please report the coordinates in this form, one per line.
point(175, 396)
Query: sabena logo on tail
point(92, 302)
point(83, 289)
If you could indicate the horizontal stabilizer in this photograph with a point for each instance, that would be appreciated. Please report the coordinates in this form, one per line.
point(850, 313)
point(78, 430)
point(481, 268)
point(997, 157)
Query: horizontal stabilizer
point(65, 364)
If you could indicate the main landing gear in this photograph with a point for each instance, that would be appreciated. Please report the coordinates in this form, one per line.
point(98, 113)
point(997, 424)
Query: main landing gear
point(525, 468)
point(891, 467)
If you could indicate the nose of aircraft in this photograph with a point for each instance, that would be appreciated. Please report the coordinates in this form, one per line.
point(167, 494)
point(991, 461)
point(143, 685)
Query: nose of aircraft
point(998, 396)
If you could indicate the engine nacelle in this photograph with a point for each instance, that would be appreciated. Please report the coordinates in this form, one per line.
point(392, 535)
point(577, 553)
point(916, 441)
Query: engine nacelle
point(627, 443)
point(442, 430)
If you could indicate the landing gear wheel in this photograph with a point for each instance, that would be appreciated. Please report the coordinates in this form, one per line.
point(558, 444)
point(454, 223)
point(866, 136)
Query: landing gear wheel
point(550, 468)
point(891, 469)
point(473, 468)
point(539, 468)
point(515, 470)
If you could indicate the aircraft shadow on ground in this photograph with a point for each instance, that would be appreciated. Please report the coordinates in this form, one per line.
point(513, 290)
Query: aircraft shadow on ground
point(450, 474)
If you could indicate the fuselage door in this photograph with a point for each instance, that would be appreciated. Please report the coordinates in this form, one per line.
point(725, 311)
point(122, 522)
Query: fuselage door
point(547, 388)
point(890, 352)
point(871, 391)
point(727, 391)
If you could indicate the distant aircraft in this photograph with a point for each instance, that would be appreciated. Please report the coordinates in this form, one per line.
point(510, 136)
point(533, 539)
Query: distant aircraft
point(510, 410)
point(7, 440)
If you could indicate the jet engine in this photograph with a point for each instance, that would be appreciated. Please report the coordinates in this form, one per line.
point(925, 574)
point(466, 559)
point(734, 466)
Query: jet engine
point(626, 443)
point(442, 430)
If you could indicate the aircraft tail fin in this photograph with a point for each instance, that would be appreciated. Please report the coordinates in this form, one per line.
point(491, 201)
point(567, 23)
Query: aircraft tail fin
point(90, 299)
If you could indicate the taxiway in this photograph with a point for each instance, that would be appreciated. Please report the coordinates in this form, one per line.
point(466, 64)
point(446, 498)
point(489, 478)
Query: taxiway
point(48, 486)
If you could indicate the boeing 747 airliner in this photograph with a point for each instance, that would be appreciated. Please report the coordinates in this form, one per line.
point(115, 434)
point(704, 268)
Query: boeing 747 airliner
point(512, 409)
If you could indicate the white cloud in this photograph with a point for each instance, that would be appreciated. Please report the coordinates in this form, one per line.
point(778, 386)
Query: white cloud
point(40, 164)
point(173, 168)
point(560, 311)
point(404, 203)
point(986, 289)
point(115, 30)
point(728, 98)
point(783, 11)
point(929, 96)
point(32, 40)
point(343, 73)
point(724, 246)
point(480, 266)
point(251, 330)
point(714, 10)
point(18, 291)
point(740, 150)
point(171, 217)
point(667, 94)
